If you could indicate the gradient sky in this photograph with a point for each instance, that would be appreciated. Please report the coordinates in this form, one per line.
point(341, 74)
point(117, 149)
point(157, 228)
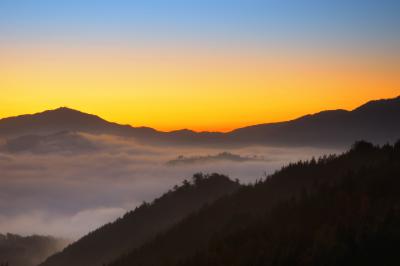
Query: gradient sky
point(203, 65)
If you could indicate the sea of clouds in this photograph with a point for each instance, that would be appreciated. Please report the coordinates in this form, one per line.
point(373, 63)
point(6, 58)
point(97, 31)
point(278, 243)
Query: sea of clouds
point(50, 189)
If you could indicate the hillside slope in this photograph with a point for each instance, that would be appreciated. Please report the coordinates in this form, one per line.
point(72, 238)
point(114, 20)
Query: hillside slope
point(305, 207)
point(354, 222)
point(140, 225)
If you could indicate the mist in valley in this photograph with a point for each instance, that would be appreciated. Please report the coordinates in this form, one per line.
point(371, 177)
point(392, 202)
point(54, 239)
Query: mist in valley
point(68, 184)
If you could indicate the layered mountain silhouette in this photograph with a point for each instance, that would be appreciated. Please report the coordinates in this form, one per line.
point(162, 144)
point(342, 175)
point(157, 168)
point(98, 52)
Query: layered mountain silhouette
point(375, 121)
point(336, 210)
point(142, 224)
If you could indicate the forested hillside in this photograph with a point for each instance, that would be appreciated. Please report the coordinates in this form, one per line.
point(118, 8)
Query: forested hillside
point(337, 210)
point(140, 225)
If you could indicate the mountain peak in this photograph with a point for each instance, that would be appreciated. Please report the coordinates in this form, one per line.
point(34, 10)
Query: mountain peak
point(68, 115)
point(51, 121)
point(65, 110)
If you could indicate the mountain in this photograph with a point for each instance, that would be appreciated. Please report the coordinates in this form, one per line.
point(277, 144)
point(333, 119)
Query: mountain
point(18, 250)
point(65, 119)
point(138, 226)
point(375, 121)
point(337, 210)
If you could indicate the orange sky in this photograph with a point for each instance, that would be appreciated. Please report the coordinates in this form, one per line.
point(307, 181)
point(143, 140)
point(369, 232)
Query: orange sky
point(197, 88)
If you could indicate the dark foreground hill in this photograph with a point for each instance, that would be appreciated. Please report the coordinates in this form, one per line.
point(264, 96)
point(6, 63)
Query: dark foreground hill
point(18, 250)
point(337, 210)
point(375, 121)
point(140, 225)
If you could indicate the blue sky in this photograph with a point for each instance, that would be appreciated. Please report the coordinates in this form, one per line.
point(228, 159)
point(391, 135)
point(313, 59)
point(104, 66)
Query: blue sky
point(242, 19)
point(280, 58)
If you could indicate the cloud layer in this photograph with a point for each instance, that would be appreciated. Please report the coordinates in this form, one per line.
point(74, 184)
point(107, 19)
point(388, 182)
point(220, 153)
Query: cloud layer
point(48, 188)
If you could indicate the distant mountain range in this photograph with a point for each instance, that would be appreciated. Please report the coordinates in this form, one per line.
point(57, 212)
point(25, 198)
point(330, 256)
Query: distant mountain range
point(376, 121)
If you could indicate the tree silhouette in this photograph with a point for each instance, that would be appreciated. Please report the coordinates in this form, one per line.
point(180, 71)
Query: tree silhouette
point(142, 224)
point(334, 210)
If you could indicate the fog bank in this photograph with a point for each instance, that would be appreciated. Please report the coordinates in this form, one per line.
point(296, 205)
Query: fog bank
point(49, 188)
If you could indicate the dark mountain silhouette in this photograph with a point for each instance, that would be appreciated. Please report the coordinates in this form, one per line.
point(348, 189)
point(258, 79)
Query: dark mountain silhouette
point(18, 250)
point(375, 121)
point(65, 119)
point(337, 210)
point(140, 225)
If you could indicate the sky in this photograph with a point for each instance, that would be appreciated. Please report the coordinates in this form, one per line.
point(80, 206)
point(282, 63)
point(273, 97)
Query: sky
point(203, 65)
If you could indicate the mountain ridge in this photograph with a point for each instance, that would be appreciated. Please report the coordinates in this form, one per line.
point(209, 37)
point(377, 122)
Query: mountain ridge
point(142, 224)
point(374, 121)
point(65, 109)
point(242, 228)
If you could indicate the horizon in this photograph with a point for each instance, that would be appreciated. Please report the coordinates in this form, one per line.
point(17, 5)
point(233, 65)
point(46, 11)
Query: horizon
point(199, 131)
point(161, 132)
point(204, 65)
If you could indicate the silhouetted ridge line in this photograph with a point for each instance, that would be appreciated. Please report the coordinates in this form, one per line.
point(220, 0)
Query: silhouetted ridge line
point(375, 121)
point(138, 226)
point(377, 104)
point(335, 210)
